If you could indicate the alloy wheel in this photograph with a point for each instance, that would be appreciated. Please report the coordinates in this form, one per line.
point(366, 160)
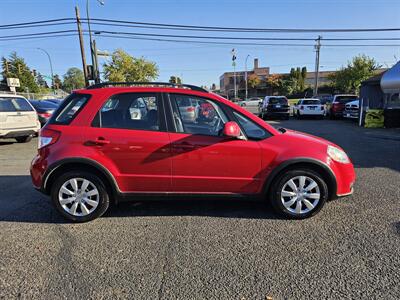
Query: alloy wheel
point(300, 195)
point(79, 197)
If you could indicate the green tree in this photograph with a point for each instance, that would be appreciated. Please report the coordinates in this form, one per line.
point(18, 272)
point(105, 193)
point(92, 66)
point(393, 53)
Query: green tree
point(175, 80)
point(57, 82)
point(15, 67)
point(41, 81)
point(348, 79)
point(73, 79)
point(124, 67)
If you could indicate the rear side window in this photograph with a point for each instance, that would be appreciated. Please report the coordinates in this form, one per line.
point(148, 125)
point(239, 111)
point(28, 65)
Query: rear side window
point(69, 109)
point(136, 111)
point(8, 104)
point(345, 99)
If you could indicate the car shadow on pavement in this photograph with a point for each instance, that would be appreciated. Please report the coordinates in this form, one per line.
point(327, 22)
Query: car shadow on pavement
point(20, 202)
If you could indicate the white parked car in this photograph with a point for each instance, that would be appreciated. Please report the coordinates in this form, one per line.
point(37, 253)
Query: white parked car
point(18, 118)
point(251, 104)
point(309, 107)
point(351, 109)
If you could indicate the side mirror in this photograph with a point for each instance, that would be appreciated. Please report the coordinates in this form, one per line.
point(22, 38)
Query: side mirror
point(231, 129)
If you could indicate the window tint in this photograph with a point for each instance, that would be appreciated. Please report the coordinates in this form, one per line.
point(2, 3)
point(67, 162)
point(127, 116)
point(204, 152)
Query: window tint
point(129, 111)
point(253, 131)
point(69, 109)
point(196, 115)
point(11, 104)
point(345, 99)
point(278, 100)
point(311, 102)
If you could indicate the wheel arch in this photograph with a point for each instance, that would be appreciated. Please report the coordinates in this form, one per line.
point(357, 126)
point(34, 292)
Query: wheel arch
point(306, 163)
point(81, 164)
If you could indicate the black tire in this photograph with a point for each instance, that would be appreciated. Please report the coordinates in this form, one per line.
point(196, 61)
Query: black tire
point(24, 139)
point(283, 178)
point(102, 206)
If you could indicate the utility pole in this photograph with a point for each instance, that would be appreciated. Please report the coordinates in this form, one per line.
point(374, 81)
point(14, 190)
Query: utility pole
point(317, 50)
point(96, 71)
point(234, 72)
point(245, 73)
point(78, 22)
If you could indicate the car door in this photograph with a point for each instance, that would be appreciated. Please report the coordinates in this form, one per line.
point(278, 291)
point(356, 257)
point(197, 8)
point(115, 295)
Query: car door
point(204, 161)
point(136, 144)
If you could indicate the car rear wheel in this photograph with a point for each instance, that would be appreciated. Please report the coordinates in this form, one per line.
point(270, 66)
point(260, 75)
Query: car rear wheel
point(80, 196)
point(299, 194)
point(24, 139)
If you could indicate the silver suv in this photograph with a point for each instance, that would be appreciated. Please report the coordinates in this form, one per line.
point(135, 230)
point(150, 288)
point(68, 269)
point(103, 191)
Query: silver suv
point(18, 118)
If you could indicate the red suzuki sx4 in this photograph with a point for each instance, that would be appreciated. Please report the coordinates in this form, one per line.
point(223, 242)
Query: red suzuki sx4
point(126, 141)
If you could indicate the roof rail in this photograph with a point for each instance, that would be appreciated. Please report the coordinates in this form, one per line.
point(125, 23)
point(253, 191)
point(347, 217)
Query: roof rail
point(138, 83)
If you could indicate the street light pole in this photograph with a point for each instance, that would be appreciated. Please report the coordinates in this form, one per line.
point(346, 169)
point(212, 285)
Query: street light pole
point(245, 73)
point(316, 79)
point(94, 62)
point(51, 68)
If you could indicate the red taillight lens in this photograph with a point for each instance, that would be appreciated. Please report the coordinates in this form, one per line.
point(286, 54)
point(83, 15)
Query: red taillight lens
point(190, 109)
point(47, 137)
point(45, 115)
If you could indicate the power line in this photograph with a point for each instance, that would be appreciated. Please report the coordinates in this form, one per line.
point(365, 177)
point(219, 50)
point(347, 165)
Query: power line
point(37, 22)
point(52, 35)
point(244, 29)
point(201, 28)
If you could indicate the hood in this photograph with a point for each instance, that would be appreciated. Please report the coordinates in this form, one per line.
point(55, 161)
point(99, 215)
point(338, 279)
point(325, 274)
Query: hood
point(301, 136)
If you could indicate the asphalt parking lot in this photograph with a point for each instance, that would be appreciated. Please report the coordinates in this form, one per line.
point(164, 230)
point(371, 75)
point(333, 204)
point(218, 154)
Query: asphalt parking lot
point(208, 249)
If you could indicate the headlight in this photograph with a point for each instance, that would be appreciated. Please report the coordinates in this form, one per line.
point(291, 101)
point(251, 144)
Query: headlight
point(338, 155)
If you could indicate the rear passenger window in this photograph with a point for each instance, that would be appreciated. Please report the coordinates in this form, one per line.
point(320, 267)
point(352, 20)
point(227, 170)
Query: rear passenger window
point(130, 111)
point(69, 109)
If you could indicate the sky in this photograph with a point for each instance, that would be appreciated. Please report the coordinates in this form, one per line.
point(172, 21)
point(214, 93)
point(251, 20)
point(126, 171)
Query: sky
point(203, 64)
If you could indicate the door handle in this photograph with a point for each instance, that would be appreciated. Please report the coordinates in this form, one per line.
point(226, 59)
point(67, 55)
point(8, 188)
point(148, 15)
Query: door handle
point(184, 146)
point(100, 141)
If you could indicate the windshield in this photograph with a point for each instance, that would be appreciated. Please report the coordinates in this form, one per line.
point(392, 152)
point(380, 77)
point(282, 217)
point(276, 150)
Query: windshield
point(345, 99)
point(12, 104)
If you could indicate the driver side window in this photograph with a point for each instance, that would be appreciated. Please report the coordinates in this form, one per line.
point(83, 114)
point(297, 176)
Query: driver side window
point(195, 115)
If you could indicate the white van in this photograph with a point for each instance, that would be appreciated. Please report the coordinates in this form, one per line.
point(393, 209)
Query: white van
point(18, 118)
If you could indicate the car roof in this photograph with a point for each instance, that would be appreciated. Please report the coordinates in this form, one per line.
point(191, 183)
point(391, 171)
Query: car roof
point(11, 96)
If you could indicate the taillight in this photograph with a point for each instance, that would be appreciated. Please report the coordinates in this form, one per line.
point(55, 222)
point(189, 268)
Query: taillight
point(47, 137)
point(302, 107)
point(190, 109)
point(45, 115)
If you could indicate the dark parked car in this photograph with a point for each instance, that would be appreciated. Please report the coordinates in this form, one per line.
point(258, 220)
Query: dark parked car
point(275, 106)
point(44, 109)
point(55, 101)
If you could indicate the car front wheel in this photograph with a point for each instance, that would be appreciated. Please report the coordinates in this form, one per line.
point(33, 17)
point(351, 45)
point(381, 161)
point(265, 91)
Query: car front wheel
point(299, 194)
point(80, 196)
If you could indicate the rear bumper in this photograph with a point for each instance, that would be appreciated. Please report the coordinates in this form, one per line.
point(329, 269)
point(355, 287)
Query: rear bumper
point(13, 133)
point(312, 113)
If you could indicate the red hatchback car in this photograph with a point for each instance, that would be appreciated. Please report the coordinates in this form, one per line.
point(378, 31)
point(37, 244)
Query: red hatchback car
point(124, 141)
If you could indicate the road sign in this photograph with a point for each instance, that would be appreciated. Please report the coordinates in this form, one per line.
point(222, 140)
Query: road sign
point(13, 82)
